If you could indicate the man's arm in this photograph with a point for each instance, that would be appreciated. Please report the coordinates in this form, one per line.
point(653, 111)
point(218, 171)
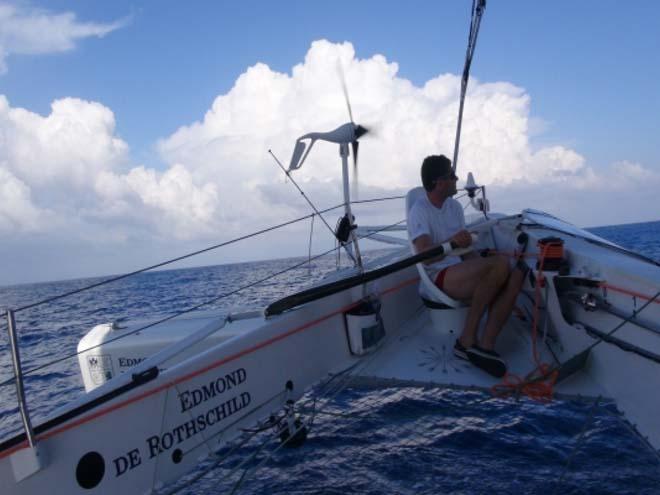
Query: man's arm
point(422, 243)
point(461, 239)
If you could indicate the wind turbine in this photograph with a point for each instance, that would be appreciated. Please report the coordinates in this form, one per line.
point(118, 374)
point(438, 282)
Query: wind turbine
point(343, 135)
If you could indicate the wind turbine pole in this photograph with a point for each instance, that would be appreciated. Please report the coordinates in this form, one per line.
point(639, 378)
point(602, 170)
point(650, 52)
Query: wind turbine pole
point(343, 152)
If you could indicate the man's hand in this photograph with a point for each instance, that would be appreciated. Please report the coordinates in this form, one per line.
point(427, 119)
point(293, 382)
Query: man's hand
point(461, 239)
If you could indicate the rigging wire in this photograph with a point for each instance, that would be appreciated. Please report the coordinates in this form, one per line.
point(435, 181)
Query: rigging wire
point(193, 308)
point(158, 265)
point(309, 248)
point(375, 200)
point(408, 435)
point(195, 253)
point(604, 338)
point(219, 457)
point(160, 434)
point(348, 376)
point(644, 440)
point(252, 410)
point(250, 434)
point(577, 445)
point(309, 201)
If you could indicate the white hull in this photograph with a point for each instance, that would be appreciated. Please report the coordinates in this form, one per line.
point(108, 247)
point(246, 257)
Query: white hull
point(132, 443)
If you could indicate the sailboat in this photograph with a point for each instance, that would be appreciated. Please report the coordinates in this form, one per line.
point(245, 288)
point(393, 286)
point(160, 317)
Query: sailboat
point(157, 402)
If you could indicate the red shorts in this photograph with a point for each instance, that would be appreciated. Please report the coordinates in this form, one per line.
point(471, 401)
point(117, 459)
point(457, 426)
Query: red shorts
point(440, 279)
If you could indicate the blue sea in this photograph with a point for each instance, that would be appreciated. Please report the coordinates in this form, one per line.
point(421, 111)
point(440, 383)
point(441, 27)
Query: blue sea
point(362, 441)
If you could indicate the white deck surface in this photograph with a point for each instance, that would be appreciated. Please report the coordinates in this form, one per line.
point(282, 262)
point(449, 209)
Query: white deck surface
point(418, 352)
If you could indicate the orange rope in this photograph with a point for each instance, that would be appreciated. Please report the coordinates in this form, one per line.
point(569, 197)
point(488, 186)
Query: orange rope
point(559, 253)
point(629, 292)
point(539, 383)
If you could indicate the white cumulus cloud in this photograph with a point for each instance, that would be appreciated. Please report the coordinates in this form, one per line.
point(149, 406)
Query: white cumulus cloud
point(26, 30)
point(17, 211)
point(70, 171)
point(65, 149)
point(171, 200)
point(268, 109)
point(72, 164)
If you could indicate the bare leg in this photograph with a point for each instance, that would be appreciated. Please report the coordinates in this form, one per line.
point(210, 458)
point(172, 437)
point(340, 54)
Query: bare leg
point(501, 309)
point(480, 279)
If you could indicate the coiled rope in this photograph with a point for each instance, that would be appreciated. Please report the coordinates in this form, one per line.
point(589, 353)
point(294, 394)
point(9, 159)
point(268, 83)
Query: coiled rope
point(539, 383)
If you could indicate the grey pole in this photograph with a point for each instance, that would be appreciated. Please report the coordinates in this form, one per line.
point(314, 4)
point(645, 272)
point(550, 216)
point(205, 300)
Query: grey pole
point(18, 375)
point(478, 7)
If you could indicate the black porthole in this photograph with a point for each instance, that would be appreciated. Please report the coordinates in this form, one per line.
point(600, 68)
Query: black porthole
point(177, 456)
point(90, 470)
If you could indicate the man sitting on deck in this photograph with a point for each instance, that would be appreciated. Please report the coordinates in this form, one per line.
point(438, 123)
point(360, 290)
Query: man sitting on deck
point(488, 283)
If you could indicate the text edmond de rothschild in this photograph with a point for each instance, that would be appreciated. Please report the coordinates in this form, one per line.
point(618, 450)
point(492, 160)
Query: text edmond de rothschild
point(188, 399)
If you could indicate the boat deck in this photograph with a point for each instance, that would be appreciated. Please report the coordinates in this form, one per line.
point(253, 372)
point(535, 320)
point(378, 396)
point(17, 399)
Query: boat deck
point(422, 353)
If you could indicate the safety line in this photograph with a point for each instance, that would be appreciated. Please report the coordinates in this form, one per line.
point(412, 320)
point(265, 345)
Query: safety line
point(577, 444)
point(11, 380)
point(217, 458)
point(643, 440)
point(292, 435)
point(224, 457)
point(160, 434)
point(195, 253)
point(330, 395)
point(409, 437)
point(629, 292)
point(626, 320)
point(189, 376)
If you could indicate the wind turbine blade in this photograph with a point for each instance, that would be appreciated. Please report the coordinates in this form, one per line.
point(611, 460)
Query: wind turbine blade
point(342, 78)
point(360, 131)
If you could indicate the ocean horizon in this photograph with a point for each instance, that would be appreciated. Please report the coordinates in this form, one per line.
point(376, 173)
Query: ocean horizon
point(616, 233)
point(398, 440)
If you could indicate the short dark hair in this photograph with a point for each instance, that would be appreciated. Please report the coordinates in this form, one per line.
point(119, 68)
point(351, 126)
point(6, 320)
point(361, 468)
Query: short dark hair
point(434, 167)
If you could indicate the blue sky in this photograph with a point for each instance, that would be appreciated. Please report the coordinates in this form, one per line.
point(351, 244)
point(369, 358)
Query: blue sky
point(591, 66)
point(577, 94)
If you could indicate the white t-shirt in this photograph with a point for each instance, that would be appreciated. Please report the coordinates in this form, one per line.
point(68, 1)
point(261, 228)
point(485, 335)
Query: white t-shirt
point(439, 224)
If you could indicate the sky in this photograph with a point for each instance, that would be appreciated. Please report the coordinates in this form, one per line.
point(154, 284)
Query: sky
point(135, 132)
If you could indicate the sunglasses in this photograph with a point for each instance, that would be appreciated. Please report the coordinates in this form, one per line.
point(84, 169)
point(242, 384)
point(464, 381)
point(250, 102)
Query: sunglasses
point(451, 176)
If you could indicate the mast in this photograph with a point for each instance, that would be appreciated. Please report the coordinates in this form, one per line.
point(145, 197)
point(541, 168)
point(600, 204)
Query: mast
point(478, 7)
